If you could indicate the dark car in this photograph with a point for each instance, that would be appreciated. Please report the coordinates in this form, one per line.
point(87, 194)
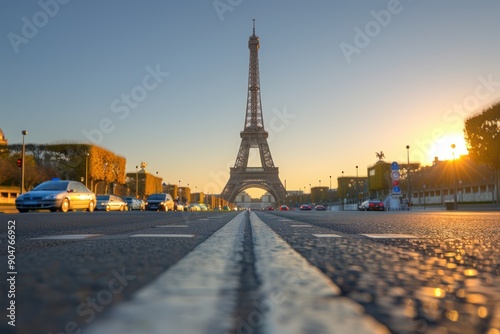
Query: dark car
point(372, 205)
point(320, 207)
point(57, 195)
point(160, 202)
point(305, 207)
point(134, 203)
point(110, 203)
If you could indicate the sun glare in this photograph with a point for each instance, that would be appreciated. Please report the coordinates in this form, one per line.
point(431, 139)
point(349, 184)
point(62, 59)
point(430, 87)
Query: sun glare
point(443, 147)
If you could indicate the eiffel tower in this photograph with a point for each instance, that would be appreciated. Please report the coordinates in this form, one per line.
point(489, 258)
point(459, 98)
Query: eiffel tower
point(254, 136)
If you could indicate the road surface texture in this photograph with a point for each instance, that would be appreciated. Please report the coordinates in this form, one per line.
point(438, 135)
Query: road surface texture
point(251, 272)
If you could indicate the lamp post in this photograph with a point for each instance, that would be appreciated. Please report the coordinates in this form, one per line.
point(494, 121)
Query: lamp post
point(24, 133)
point(424, 195)
point(179, 192)
point(341, 193)
point(156, 183)
point(357, 189)
point(455, 206)
point(136, 181)
point(330, 192)
point(86, 170)
point(409, 175)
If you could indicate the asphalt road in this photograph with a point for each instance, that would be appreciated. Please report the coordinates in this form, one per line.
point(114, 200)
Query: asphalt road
point(412, 272)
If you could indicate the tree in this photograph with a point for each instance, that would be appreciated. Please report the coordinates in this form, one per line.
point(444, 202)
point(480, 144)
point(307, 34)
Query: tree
point(482, 133)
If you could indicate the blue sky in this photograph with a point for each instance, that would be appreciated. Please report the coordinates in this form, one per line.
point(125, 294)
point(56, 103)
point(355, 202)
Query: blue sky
point(166, 81)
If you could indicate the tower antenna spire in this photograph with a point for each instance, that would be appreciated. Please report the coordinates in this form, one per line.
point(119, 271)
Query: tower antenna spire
point(254, 27)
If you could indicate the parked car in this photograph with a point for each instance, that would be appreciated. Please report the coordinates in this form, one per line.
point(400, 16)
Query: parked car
point(320, 207)
point(194, 207)
point(372, 205)
point(134, 203)
point(283, 208)
point(305, 207)
point(110, 203)
point(179, 206)
point(57, 195)
point(160, 202)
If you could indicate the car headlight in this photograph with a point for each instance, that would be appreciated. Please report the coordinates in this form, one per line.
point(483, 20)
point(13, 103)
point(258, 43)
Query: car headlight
point(52, 196)
point(162, 203)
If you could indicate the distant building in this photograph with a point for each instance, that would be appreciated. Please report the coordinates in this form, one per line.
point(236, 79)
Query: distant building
point(319, 195)
point(198, 197)
point(145, 182)
point(243, 197)
point(474, 182)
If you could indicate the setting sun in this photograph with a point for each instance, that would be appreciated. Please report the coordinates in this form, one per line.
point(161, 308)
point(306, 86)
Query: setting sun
point(443, 147)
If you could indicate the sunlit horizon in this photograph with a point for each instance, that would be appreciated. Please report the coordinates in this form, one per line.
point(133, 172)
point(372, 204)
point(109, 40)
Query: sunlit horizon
point(166, 82)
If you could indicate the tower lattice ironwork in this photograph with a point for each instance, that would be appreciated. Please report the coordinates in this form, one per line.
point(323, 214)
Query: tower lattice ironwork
point(254, 136)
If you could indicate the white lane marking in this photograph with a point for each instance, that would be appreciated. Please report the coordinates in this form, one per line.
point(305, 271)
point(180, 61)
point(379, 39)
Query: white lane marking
point(299, 298)
point(300, 225)
point(327, 235)
point(196, 295)
point(171, 226)
point(68, 237)
point(390, 236)
point(162, 236)
point(285, 220)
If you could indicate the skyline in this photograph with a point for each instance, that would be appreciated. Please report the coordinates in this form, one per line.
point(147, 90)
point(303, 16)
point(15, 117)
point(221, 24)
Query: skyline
point(339, 81)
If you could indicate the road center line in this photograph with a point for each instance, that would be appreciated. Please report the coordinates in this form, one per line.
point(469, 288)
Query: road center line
point(68, 237)
point(299, 297)
point(390, 236)
point(326, 235)
point(162, 236)
point(196, 295)
point(171, 226)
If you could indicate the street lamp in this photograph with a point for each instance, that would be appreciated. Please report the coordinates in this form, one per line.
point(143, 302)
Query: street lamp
point(330, 192)
point(156, 182)
point(179, 192)
point(86, 170)
point(24, 133)
point(341, 193)
point(409, 175)
point(455, 206)
point(357, 189)
point(424, 195)
point(136, 181)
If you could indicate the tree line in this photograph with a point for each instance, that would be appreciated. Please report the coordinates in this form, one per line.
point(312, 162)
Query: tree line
point(65, 161)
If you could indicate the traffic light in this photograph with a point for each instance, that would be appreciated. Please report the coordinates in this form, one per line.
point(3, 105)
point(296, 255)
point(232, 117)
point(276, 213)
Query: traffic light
point(19, 162)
